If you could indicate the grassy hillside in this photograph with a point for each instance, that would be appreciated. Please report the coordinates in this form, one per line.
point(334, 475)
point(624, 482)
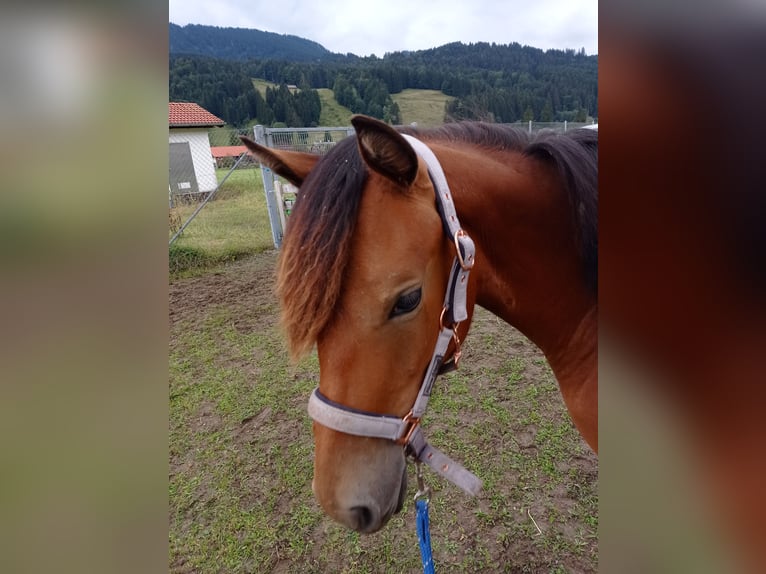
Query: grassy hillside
point(426, 107)
point(333, 114)
point(261, 85)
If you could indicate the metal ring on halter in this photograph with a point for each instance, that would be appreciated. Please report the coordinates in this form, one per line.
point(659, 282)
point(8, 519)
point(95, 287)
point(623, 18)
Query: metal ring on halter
point(441, 319)
point(412, 423)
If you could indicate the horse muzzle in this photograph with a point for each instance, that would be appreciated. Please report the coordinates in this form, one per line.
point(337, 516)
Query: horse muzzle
point(361, 491)
point(368, 516)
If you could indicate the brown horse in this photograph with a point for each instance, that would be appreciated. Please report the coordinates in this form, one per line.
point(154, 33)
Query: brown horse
point(366, 262)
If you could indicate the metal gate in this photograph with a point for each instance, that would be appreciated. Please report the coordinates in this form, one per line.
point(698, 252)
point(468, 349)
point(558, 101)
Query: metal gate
point(279, 195)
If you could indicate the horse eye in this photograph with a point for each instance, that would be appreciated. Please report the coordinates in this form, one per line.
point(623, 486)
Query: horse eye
point(406, 303)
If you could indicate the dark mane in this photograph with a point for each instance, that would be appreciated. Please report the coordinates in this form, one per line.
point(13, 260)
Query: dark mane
point(317, 243)
point(575, 155)
point(492, 136)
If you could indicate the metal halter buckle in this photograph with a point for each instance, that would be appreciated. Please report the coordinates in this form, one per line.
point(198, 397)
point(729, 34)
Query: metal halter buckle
point(412, 423)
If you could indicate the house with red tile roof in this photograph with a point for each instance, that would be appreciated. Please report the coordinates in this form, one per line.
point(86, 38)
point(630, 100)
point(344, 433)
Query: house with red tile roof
point(192, 166)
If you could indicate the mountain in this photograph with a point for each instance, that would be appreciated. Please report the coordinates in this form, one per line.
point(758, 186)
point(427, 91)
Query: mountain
point(244, 44)
point(505, 83)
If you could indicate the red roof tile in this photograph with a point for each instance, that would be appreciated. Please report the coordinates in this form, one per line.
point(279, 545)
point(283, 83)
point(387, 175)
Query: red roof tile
point(181, 114)
point(228, 150)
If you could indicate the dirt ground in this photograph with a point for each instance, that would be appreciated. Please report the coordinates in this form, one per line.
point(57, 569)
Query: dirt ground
point(500, 414)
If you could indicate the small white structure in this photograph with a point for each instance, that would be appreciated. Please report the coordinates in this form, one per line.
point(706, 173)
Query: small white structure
point(192, 167)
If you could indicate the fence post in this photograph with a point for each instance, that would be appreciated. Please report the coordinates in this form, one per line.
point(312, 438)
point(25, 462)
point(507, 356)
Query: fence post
point(530, 126)
point(268, 189)
point(565, 125)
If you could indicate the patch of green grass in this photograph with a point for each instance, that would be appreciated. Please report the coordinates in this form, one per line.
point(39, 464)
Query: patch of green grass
point(261, 85)
point(187, 259)
point(237, 530)
point(499, 412)
point(426, 107)
point(452, 395)
point(332, 114)
point(234, 224)
point(554, 440)
point(513, 369)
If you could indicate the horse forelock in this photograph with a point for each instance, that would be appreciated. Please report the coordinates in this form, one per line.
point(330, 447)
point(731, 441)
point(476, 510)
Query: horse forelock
point(317, 245)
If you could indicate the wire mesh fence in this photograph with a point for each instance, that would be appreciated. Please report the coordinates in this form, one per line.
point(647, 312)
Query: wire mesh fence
point(195, 158)
point(532, 126)
point(311, 140)
point(227, 218)
point(280, 196)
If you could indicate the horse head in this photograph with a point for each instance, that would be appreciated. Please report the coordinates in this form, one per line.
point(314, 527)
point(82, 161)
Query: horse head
point(362, 274)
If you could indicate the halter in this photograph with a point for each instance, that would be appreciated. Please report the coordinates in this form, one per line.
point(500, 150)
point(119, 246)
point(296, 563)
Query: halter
point(406, 430)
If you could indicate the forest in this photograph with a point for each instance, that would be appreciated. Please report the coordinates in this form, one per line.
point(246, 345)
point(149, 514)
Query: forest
point(243, 44)
point(493, 82)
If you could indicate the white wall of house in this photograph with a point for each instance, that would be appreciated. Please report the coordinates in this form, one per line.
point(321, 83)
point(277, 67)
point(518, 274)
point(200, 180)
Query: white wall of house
point(204, 164)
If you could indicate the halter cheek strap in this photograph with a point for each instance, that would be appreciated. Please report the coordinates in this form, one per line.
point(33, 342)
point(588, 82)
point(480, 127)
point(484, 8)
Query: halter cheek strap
point(406, 430)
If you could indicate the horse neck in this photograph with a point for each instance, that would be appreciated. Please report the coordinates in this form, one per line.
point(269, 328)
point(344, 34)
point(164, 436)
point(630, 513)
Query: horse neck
point(528, 270)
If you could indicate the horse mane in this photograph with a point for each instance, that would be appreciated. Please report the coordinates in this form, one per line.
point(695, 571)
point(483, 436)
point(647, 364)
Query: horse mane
point(575, 155)
point(317, 242)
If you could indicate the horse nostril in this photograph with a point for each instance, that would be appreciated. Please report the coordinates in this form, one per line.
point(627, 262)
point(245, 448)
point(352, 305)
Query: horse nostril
point(363, 516)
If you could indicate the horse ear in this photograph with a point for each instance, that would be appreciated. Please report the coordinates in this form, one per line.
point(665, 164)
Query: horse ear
point(294, 166)
point(385, 150)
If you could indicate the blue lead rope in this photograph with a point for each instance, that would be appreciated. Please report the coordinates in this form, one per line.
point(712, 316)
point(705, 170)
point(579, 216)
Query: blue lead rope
point(424, 535)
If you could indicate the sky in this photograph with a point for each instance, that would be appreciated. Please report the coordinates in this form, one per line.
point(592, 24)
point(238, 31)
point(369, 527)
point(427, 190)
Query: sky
point(365, 27)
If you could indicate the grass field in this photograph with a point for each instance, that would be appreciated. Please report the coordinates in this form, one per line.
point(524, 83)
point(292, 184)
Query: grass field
point(261, 85)
point(426, 107)
point(241, 449)
point(232, 225)
point(333, 114)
